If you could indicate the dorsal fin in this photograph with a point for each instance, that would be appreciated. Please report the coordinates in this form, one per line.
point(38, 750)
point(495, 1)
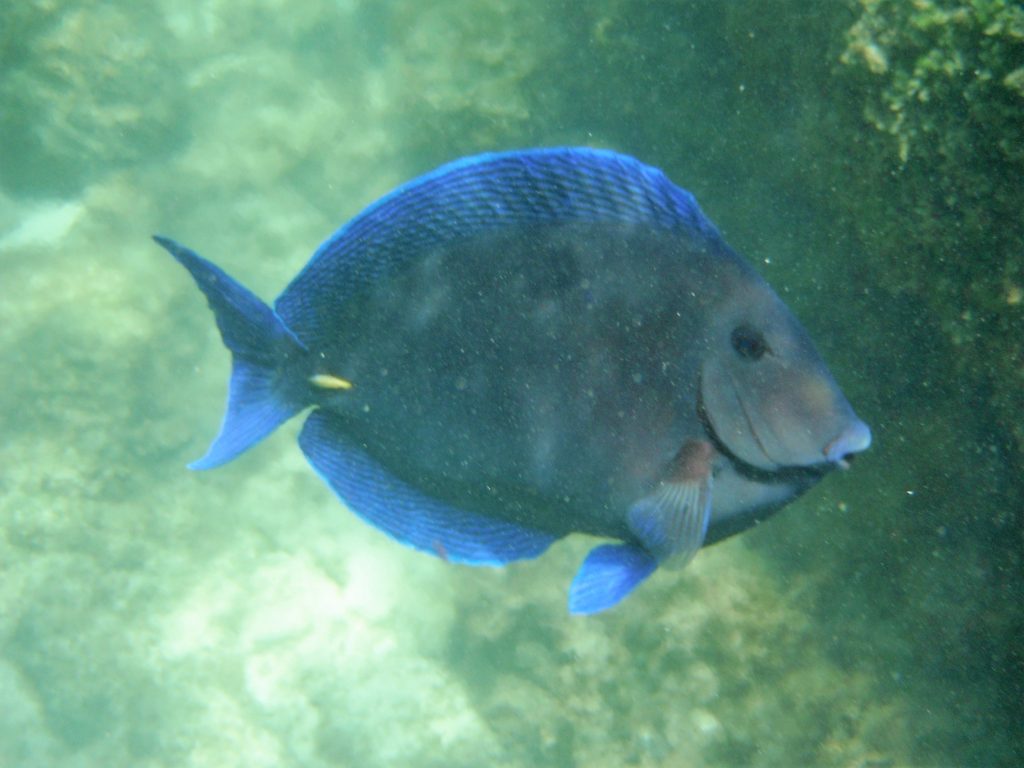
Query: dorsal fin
point(481, 194)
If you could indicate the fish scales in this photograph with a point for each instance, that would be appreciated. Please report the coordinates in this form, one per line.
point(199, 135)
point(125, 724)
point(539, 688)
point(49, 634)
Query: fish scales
point(520, 354)
point(520, 346)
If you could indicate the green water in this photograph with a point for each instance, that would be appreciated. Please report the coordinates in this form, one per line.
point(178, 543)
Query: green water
point(866, 158)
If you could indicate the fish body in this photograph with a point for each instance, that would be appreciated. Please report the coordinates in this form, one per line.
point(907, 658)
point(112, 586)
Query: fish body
point(519, 346)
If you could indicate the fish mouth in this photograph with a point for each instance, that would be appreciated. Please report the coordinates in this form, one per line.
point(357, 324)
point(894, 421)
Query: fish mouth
point(843, 449)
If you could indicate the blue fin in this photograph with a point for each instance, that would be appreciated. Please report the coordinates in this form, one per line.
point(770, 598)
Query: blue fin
point(406, 514)
point(481, 194)
point(608, 574)
point(673, 520)
point(260, 397)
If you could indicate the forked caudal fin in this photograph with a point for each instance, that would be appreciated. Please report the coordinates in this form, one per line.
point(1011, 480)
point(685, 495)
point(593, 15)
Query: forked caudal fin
point(261, 396)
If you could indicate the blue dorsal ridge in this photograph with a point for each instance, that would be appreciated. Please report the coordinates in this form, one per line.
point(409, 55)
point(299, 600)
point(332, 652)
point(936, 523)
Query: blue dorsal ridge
point(481, 194)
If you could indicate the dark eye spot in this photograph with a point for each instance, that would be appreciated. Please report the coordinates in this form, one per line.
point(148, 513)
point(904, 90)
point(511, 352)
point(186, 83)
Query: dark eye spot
point(748, 342)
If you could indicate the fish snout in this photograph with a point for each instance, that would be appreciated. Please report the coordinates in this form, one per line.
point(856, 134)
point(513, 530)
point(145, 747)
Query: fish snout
point(854, 438)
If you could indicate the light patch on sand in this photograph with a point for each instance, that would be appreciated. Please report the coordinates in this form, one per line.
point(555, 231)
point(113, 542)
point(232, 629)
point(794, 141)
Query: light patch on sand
point(42, 224)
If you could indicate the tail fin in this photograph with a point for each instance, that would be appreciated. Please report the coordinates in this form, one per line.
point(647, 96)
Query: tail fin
point(259, 396)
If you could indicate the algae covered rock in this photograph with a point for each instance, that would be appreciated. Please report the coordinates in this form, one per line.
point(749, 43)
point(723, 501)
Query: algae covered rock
point(943, 80)
point(84, 92)
point(941, 67)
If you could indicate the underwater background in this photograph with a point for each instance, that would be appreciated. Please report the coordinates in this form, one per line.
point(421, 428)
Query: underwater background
point(866, 156)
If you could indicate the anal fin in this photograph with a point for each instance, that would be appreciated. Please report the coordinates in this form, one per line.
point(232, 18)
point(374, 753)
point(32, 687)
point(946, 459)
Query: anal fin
point(405, 513)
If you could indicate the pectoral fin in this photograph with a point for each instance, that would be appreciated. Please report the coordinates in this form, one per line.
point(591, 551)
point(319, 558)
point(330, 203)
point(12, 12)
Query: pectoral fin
point(672, 520)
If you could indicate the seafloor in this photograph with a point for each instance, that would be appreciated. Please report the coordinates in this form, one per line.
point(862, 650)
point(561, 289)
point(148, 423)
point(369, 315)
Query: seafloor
point(866, 157)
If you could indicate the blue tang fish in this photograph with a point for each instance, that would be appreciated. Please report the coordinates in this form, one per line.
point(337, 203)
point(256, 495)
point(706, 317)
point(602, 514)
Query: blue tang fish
point(522, 345)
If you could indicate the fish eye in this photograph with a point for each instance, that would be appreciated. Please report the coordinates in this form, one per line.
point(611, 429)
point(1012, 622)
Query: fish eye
point(748, 342)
